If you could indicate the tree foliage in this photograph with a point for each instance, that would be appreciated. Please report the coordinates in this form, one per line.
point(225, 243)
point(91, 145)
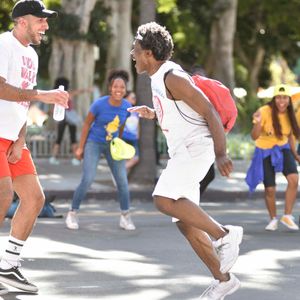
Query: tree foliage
point(5, 9)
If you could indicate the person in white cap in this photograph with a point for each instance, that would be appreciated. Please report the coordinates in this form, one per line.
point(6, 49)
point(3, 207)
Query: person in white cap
point(18, 72)
point(195, 138)
point(274, 129)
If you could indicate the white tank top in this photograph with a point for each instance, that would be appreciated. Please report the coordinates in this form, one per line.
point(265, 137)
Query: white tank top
point(179, 133)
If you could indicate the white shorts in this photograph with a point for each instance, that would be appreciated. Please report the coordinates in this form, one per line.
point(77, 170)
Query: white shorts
point(183, 173)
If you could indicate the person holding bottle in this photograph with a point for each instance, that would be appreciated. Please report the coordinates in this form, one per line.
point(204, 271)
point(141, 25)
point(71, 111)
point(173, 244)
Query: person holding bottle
point(274, 129)
point(105, 120)
point(18, 74)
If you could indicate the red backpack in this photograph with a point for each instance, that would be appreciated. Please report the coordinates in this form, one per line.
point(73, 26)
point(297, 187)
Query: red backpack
point(219, 96)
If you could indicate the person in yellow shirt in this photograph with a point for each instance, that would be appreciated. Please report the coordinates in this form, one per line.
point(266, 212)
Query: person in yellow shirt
point(274, 126)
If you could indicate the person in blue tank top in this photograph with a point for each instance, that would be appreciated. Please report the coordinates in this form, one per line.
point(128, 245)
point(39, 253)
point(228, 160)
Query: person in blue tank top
point(105, 121)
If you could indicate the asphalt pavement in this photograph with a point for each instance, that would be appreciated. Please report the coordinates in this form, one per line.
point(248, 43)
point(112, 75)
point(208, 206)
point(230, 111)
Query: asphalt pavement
point(154, 262)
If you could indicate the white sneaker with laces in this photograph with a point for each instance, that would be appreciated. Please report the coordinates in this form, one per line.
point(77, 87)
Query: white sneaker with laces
point(228, 248)
point(126, 222)
point(218, 290)
point(273, 225)
point(288, 221)
point(72, 220)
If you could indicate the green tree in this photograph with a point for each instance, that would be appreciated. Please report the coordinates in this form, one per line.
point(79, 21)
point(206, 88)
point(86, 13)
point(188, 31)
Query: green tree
point(5, 10)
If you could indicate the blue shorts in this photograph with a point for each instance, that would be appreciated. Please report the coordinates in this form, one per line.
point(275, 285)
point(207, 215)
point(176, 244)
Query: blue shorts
point(289, 167)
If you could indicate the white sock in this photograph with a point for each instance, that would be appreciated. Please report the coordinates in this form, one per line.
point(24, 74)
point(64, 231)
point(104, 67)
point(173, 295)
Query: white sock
point(11, 255)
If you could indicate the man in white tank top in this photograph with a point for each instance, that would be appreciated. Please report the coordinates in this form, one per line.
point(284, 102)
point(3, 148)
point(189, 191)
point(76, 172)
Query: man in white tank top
point(18, 71)
point(195, 138)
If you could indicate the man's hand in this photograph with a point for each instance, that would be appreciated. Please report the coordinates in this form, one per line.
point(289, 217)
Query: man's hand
point(53, 97)
point(14, 152)
point(224, 164)
point(143, 111)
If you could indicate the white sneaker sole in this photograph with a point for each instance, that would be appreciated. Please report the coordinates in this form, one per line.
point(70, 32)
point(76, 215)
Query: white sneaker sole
point(18, 285)
point(72, 227)
point(238, 239)
point(287, 226)
point(3, 290)
point(127, 228)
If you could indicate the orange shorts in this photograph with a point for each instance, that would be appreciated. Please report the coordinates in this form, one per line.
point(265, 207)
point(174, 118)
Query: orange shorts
point(24, 166)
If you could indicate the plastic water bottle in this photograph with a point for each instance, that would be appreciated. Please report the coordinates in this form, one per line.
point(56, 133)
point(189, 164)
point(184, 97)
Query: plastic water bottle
point(59, 111)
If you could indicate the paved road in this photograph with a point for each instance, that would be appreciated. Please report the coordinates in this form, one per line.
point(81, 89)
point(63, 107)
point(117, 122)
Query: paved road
point(100, 261)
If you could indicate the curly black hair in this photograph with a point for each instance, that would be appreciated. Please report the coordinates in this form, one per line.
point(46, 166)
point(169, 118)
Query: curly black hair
point(62, 81)
point(154, 37)
point(114, 74)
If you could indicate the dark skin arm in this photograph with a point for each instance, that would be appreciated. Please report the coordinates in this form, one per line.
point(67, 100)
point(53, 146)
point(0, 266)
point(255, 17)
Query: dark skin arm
point(84, 133)
point(183, 88)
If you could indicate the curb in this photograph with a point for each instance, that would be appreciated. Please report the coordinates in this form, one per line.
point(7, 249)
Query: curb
point(146, 195)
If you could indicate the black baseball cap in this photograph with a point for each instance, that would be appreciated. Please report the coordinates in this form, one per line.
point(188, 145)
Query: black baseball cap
point(32, 7)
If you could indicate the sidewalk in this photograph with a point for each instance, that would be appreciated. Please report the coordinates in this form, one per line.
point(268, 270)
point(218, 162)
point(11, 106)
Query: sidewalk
point(63, 179)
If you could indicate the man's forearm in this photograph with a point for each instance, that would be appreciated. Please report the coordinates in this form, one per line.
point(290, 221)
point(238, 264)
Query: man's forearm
point(217, 132)
point(11, 93)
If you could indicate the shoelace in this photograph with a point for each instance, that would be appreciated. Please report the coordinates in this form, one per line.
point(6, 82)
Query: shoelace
point(16, 269)
point(219, 249)
point(210, 290)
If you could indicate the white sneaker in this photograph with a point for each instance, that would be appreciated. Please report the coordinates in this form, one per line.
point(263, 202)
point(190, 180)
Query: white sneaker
point(288, 221)
point(228, 248)
point(72, 220)
point(3, 290)
point(75, 162)
point(126, 222)
point(273, 225)
point(54, 161)
point(218, 290)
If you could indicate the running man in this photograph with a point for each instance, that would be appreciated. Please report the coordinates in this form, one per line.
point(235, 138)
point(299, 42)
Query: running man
point(18, 72)
point(195, 138)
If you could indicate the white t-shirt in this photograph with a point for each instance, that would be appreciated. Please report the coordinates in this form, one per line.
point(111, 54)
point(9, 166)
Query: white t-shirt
point(18, 65)
point(180, 134)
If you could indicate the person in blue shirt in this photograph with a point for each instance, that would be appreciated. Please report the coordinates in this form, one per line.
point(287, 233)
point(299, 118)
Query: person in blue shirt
point(105, 121)
point(131, 132)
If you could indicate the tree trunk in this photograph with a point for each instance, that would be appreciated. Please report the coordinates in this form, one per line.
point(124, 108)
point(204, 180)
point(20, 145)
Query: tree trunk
point(145, 171)
point(221, 42)
point(121, 41)
point(255, 68)
point(74, 59)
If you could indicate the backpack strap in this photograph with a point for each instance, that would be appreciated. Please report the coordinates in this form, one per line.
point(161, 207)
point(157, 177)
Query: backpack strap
point(165, 77)
point(182, 114)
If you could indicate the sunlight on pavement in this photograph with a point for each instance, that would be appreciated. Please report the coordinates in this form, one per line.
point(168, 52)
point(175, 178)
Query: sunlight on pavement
point(262, 267)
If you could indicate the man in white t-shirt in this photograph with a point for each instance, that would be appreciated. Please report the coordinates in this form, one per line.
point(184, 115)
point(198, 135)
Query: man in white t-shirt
point(195, 138)
point(18, 71)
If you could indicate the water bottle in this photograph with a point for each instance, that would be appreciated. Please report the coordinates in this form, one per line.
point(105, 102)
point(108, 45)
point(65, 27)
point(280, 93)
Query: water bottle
point(59, 111)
